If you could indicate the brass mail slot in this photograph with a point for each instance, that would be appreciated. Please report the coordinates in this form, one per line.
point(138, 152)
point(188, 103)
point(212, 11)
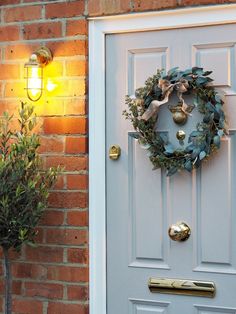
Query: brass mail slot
point(183, 287)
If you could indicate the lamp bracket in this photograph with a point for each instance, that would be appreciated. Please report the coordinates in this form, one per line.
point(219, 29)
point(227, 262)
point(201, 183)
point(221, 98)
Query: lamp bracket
point(44, 55)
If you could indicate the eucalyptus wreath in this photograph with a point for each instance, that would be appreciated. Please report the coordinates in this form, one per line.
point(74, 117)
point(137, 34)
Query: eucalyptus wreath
point(203, 140)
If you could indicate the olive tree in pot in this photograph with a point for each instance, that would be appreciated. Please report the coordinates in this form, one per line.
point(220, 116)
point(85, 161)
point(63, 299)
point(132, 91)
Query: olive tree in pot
point(24, 187)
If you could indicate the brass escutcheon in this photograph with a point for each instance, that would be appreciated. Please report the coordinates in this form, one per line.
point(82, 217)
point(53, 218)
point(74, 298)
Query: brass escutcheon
point(114, 152)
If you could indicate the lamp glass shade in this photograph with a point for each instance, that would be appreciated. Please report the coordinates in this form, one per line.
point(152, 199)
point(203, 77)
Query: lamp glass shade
point(34, 81)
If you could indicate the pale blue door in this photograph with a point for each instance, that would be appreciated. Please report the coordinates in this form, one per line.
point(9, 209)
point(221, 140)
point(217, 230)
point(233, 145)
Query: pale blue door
point(142, 203)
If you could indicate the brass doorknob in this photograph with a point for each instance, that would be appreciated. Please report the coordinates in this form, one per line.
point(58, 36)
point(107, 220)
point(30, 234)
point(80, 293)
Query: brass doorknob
point(179, 232)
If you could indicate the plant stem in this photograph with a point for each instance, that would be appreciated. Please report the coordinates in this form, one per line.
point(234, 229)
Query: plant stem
point(8, 282)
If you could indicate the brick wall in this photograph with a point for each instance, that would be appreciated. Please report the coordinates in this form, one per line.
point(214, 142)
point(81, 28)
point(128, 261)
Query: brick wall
point(107, 7)
point(53, 278)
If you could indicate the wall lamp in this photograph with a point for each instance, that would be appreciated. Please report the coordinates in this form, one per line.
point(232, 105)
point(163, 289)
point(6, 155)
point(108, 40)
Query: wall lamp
point(34, 72)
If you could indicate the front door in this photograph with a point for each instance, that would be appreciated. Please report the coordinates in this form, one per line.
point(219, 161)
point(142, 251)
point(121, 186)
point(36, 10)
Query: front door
point(142, 203)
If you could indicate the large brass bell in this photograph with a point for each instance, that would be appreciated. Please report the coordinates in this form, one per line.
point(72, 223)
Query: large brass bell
point(178, 115)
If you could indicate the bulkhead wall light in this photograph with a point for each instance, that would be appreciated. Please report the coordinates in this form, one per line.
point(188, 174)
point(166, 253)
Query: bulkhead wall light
point(34, 72)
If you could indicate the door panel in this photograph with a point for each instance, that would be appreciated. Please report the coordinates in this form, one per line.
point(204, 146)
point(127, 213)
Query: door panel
point(142, 203)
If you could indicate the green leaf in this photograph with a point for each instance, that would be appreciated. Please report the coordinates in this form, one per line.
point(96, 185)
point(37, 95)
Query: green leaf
point(220, 133)
point(188, 166)
point(201, 80)
point(195, 153)
point(216, 140)
point(207, 73)
point(172, 71)
point(196, 70)
point(202, 155)
point(164, 137)
point(169, 149)
point(187, 72)
point(171, 171)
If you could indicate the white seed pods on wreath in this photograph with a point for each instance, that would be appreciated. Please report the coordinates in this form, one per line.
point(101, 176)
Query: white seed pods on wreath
point(203, 140)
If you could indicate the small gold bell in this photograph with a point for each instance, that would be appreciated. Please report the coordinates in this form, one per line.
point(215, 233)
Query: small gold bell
point(180, 135)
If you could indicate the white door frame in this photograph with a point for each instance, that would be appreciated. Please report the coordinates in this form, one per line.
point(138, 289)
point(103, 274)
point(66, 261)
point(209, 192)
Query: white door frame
point(98, 28)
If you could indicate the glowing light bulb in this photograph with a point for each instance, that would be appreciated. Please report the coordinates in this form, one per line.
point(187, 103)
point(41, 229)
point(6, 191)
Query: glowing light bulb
point(34, 81)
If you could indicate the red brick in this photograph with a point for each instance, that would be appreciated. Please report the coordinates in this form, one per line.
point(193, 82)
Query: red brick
point(76, 68)
point(45, 290)
point(39, 235)
point(60, 183)
point(70, 87)
point(19, 51)
point(27, 307)
point(51, 145)
point(13, 254)
point(52, 218)
point(15, 89)
point(19, 14)
point(42, 30)
point(109, 7)
point(62, 10)
point(76, 145)
point(6, 2)
point(77, 218)
point(77, 293)
point(67, 236)
point(77, 255)
point(54, 69)
point(68, 200)
point(9, 33)
point(202, 2)
point(44, 254)
point(68, 274)
point(27, 270)
point(69, 163)
point(78, 27)
point(65, 125)
point(75, 106)
point(16, 287)
point(60, 308)
point(142, 5)
point(10, 106)
point(77, 182)
point(68, 48)
point(94, 8)
point(9, 71)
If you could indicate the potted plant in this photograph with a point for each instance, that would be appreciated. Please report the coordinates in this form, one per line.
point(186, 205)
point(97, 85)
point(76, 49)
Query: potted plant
point(24, 187)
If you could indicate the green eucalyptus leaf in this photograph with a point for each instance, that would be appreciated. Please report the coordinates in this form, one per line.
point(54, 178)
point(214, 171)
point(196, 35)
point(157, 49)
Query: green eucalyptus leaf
point(207, 73)
point(188, 165)
point(172, 71)
point(169, 149)
point(216, 140)
point(202, 155)
point(220, 133)
point(171, 171)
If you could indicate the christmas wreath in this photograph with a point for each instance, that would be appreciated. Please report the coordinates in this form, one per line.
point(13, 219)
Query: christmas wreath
point(143, 110)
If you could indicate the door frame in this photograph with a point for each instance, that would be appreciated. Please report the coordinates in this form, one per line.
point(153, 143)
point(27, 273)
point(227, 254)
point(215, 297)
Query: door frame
point(98, 28)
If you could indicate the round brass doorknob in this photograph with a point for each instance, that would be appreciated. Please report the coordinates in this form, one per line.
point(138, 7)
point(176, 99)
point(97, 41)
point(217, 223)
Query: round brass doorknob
point(179, 231)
